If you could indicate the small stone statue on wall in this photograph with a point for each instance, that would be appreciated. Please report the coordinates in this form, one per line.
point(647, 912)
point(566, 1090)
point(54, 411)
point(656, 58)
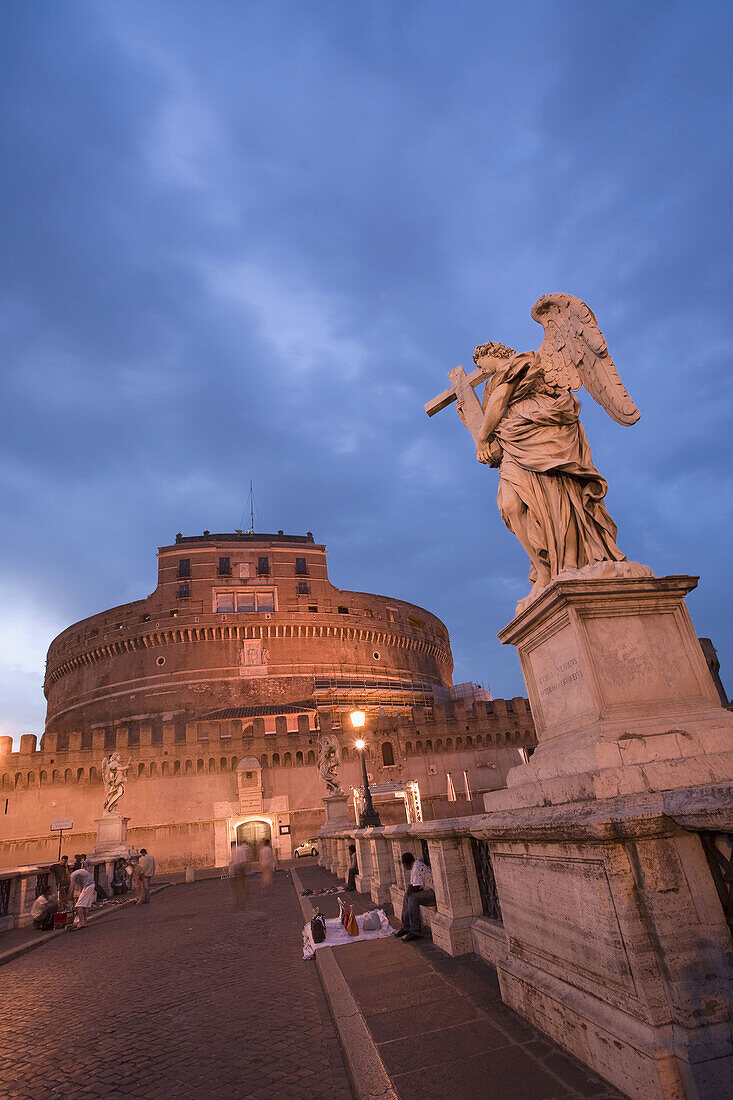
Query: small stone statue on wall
point(328, 762)
point(114, 774)
point(551, 496)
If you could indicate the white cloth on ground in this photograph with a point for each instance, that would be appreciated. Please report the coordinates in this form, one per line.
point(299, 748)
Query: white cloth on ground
point(336, 934)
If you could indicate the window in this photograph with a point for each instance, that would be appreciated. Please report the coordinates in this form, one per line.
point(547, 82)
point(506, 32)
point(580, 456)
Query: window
point(301, 567)
point(387, 754)
point(265, 601)
point(133, 735)
point(184, 591)
point(391, 614)
point(263, 567)
point(110, 739)
point(225, 567)
point(227, 601)
point(303, 588)
point(343, 611)
point(184, 567)
point(313, 607)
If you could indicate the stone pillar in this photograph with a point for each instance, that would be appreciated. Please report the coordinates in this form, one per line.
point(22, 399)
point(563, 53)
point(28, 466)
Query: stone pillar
point(75, 741)
point(342, 861)
point(382, 868)
point(28, 742)
point(6, 746)
point(337, 809)
point(457, 902)
point(364, 862)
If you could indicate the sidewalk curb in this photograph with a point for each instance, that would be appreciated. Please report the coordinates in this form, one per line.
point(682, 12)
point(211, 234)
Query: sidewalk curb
point(31, 945)
point(369, 1077)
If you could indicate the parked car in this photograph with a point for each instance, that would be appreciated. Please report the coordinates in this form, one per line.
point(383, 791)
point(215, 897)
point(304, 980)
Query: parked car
point(307, 848)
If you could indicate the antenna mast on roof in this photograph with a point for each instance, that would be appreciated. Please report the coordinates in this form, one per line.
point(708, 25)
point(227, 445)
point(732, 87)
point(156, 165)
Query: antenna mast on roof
point(251, 529)
point(251, 510)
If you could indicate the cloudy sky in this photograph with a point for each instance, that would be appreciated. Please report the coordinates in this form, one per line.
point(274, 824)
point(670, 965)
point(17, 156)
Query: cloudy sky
point(246, 241)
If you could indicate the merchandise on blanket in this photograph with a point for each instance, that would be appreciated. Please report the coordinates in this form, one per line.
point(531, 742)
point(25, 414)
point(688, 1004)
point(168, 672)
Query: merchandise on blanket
point(371, 921)
point(62, 918)
point(352, 925)
point(318, 926)
point(348, 918)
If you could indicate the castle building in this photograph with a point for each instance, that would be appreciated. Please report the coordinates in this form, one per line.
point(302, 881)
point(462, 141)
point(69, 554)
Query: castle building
point(216, 688)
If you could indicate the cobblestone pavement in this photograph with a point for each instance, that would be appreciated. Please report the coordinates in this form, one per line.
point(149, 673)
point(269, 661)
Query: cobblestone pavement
point(184, 998)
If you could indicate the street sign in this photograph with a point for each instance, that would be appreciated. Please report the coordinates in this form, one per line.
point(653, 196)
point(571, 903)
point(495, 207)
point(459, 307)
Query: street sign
point(63, 825)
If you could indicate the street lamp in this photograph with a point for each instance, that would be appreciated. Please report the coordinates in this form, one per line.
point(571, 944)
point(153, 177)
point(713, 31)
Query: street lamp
point(369, 815)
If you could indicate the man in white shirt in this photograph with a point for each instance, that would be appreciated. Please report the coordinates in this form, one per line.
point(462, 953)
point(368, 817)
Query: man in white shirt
point(43, 909)
point(419, 892)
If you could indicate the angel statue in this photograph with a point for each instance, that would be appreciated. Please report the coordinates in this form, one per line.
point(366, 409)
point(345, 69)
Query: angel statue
point(328, 761)
point(551, 496)
point(114, 774)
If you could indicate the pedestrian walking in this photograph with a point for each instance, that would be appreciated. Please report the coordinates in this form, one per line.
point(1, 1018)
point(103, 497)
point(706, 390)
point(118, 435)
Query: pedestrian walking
point(85, 893)
point(145, 870)
point(238, 873)
point(267, 863)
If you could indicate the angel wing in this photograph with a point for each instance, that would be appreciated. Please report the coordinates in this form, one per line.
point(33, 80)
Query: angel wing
point(574, 354)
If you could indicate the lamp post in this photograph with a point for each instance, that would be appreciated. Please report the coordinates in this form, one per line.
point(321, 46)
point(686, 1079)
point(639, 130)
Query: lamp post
point(369, 815)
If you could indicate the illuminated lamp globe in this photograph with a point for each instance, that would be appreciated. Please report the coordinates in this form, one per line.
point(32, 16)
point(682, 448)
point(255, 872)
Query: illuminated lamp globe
point(360, 745)
point(358, 718)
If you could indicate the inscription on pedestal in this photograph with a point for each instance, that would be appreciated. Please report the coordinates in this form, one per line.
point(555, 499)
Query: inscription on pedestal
point(564, 674)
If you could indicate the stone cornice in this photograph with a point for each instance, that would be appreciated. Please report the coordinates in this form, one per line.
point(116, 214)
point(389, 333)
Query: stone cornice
point(224, 632)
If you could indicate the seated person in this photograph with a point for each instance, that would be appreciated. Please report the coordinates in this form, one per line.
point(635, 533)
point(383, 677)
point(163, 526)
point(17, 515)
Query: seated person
point(43, 909)
point(353, 868)
point(419, 892)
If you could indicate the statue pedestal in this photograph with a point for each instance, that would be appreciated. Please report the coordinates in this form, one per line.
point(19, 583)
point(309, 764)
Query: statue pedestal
point(337, 810)
point(111, 836)
point(621, 695)
point(617, 942)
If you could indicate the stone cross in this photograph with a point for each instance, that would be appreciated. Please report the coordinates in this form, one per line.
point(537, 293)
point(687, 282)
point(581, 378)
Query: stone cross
point(462, 391)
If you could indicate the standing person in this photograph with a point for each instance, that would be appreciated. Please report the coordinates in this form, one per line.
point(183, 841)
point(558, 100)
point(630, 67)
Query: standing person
point(353, 868)
point(419, 892)
point(238, 873)
point(267, 863)
point(146, 870)
point(63, 880)
point(82, 884)
point(77, 862)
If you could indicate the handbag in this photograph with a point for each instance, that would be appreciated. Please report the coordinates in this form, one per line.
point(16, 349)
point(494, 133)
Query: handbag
point(318, 926)
point(352, 925)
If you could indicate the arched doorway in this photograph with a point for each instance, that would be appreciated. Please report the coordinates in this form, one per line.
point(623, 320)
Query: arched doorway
point(253, 833)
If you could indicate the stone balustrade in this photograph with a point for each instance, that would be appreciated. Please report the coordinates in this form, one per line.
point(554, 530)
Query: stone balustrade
point(626, 966)
point(20, 886)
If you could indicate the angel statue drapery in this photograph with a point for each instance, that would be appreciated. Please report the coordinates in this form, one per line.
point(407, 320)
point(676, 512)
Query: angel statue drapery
point(550, 496)
point(114, 775)
point(328, 760)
